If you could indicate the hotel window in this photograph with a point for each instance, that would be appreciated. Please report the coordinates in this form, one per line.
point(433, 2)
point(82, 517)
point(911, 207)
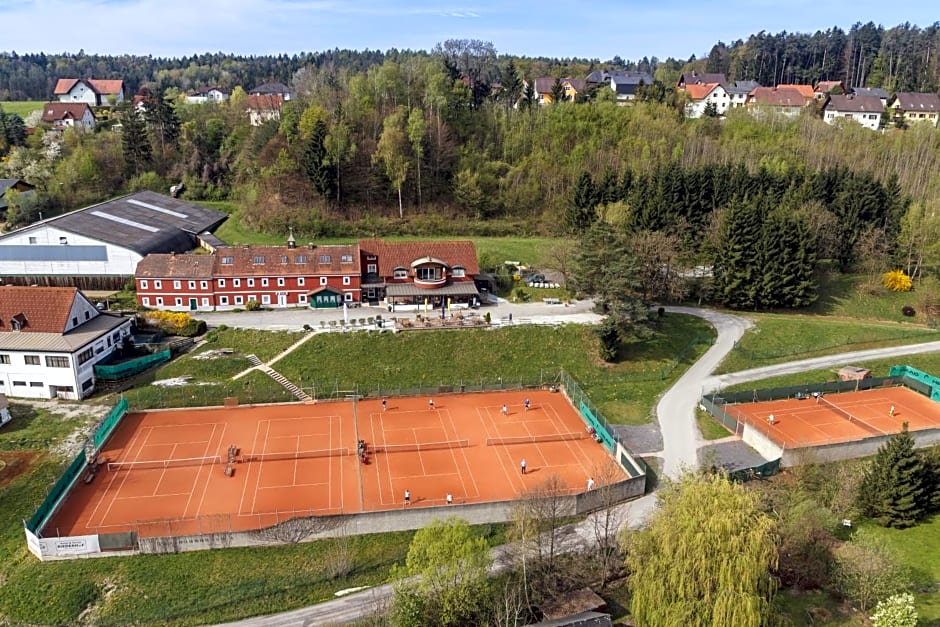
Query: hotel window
point(177, 285)
point(265, 299)
point(221, 282)
point(325, 259)
point(57, 362)
point(228, 261)
point(204, 285)
point(346, 280)
point(346, 259)
point(400, 273)
point(300, 280)
point(264, 282)
point(251, 282)
point(372, 268)
point(146, 301)
point(143, 284)
point(4, 359)
point(302, 298)
point(428, 274)
point(192, 285)
point(239, 300)
point(223, 300)
point(459, 271)
point(283, 258)
point(179, 302)
point(205, 302)
point(31, 360)
point(236, 282)
point(300, 259)
point(323, 280)
point(159, 301)
point(158, 285)
point(257, 259)
point(280, 282)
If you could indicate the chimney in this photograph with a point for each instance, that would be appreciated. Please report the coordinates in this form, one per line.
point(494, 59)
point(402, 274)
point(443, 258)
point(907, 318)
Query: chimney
point(311, 246)
point(291, 242)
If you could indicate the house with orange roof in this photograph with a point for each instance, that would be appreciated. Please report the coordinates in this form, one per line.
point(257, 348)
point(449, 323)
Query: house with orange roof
point(62, 115)
point(50, 340)
point(704, 97)
point(806, 91)
point(94, 92)
point(826, 88)
point(783, 101)
point(264, 108)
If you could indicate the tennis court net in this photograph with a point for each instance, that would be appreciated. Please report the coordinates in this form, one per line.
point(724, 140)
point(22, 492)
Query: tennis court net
point(158, 464)
point(848, 416)
point(419, 446)
point(291, 455)
point(534, 439)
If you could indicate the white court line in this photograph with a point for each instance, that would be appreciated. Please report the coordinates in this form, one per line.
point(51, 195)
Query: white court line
point(124, 480)
point(295, 485)
point(453, 455)
point(580, 455)
point(264, 448)
point(511, 477)
point(388, 466)
point(205, 484)
point(147, 496)
point(111, 482)
point(437, 474)
point(254, 445)
point(163, 472)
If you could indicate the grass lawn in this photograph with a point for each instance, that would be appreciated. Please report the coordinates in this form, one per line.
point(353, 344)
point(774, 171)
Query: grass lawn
point(711, 429)
point(777, 338)
point(815, 608)
point(36, 429)
point(385, 363)
point(22, 107)
point(839, 295)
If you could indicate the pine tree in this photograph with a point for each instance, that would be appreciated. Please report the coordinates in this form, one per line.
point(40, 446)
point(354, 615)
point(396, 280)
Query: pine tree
point(512, 85)
point(138, 155)
point(558, 92)
point(892, 490)
point(581, 212)
point(316, 164)
point(737, 268)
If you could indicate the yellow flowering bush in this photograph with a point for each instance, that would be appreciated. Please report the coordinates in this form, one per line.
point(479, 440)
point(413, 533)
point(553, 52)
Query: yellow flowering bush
point(175, 322)
point(897, 281)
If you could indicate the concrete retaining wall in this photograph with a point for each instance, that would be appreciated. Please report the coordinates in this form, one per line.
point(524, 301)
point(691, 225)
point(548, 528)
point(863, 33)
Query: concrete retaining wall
point(852, 450)
point(761, 443)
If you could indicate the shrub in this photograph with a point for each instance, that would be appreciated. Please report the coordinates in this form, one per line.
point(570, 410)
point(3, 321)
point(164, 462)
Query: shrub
point(307, 327)
point(908, 311)
point(896, 611)
point(897, 281)
point(520, 295)
point(253, 305)
point(176, 323)
point(487, 317)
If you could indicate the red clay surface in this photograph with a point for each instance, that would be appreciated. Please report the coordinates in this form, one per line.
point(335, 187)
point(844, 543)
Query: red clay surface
point(201, 499)
point(802, 423)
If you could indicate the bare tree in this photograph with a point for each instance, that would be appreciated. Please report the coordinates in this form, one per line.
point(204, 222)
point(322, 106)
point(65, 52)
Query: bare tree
point(297, 530)
point(560, 258)
point(607, 521)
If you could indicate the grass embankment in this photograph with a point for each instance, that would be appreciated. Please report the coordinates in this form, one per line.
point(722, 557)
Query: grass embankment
point(624, 391)
point(779, 338)
point(22, 107)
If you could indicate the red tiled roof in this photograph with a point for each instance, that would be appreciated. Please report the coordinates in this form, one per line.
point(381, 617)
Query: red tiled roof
point(393, 255)
point(265, 102)
point(42, 309)
point(301, 261)
point(779, 97)
point(700, 91)
point(824, 87)
point(55, 111)
point(99, 86)
point(806, 91)
point(160, 266)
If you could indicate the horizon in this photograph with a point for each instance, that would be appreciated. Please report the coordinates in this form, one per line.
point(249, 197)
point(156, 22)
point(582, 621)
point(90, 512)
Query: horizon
point(555, 29)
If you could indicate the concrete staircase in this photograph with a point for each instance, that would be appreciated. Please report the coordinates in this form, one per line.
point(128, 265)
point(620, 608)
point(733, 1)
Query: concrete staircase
point(277, 376)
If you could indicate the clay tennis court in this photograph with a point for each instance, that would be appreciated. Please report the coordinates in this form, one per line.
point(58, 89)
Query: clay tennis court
point(813, 422)
point(164, 470)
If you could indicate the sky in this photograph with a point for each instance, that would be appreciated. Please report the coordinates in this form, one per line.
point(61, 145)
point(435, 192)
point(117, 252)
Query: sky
point(598, 29)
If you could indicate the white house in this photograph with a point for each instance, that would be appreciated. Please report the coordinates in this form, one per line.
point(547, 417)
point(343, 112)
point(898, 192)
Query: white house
point(866, 110)
point(700, 96)
point(62, 115)
point(207, 95)
point(264, 108)
point(50, 340)
point(100, 246)
point(91, 91)
point(739, 92)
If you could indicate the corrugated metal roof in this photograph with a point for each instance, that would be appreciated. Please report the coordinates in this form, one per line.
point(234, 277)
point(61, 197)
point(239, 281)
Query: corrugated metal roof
point(145, 222)
point(465, 288)
point(56, 342)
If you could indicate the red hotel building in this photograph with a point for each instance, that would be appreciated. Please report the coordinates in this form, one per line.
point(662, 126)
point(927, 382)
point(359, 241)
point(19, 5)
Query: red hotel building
point(394, 273)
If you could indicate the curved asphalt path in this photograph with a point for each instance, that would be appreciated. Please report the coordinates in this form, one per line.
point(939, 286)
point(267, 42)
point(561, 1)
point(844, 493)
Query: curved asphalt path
point(681, 441)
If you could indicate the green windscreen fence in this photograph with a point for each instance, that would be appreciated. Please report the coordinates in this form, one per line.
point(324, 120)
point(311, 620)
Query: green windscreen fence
point(918, 380)
point(64, 483)
point(115, 372)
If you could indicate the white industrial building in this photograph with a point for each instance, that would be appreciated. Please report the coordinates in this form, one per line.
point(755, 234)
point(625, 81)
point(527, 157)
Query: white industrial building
point(50, 340)
point(98, 247)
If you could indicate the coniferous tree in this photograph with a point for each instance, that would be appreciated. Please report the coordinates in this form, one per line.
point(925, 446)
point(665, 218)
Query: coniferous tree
point(582, 212)
point(138, 155)
point(558, 92)
point(315, 163)
point(788, 263)
point(892, 489)
point(737, 268)
point(511, 85)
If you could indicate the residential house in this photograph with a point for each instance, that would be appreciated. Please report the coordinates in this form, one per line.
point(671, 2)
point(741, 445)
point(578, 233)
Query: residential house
point(826, 88)
point(878, 92)
point(94, 92)
point(626, 84)
point(543, 89)
point(787, 102)
point(914, 107)
point(16, 185)
point(50, 340)
point(99, 247)
point(738, 93)
point(694, 78)
point(264, 108)
point(807, 91)
point(573, 88)
point(434, 274)
point(272, 89)
point(207, 95)
point(233, 276)
point(62, 115)
point(699, 97)
point(865, 110)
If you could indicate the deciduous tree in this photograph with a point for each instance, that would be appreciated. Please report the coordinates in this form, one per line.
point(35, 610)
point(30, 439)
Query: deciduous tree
point(392, 153)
